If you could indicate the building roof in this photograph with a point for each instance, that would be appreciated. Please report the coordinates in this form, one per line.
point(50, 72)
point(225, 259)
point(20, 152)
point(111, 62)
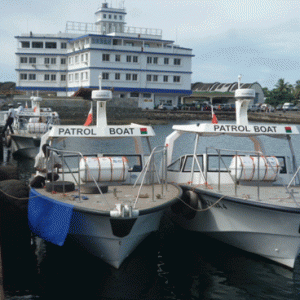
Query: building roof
point(219, 87)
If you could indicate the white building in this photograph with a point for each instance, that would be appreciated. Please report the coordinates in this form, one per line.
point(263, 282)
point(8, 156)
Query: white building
point(134, 62)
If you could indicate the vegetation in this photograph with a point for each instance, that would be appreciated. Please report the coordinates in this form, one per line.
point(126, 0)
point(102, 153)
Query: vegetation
point(283, 92)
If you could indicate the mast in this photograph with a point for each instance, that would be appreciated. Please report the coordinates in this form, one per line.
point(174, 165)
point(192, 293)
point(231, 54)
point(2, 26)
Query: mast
point(243, 98)
point(101, 96)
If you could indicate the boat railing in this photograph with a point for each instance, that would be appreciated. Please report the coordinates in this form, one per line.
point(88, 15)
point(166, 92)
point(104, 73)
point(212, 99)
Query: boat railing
point(152, 172)
point(155, 173)
point(63, 154)
point(220, 153)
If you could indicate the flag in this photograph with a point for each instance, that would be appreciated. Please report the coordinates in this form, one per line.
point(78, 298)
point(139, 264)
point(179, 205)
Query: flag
point(214, 117)
point(89, 118)
point(144, 131)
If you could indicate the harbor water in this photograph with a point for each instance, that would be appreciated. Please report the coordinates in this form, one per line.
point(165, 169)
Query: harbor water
point(170, 264)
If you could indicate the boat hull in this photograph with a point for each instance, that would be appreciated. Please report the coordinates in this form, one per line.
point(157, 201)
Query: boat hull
point(267, 230)
point(25, 146)
point(98, 234)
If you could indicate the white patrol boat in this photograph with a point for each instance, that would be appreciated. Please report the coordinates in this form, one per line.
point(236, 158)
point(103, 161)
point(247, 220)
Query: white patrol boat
point(29, 125)
point(110, 195)
point(248, 199)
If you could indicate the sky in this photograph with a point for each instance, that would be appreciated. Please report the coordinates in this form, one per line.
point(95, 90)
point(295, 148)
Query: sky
point(259, 39)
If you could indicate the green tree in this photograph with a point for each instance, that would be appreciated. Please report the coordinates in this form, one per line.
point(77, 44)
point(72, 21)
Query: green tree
point(283, 86)
point(276, 97)
point(296, 90)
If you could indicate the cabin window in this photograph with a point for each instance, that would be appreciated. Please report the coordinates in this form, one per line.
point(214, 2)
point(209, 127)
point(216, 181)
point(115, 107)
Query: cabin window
point(189, 163)
point(175, 166)
point(213, 163)
point(282, 164)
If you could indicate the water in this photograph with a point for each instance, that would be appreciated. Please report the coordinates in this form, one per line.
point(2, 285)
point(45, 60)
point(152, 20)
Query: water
point(171, 264)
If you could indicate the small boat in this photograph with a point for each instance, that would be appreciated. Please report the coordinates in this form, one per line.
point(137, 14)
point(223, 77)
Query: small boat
point(247, 198)
point(112, 192)
point(30, 124)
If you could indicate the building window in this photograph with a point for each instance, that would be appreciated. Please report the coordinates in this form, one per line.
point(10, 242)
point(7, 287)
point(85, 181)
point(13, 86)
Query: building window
point(53, 77)
point(155, 60)
point(37, 44)
point(25, 44)
point(46, 77)
point(105, 76)
point(70, 60)
point(149, 60)
point(76, 76)
point(46, 60)
point(63, 61)
point(115, 17)
point(117, 76)
point(53, 61)
point(166, 60)
point(177, 61)
point(109, 16)
point(63, 77)
point(128, 58)
point(135, 59)
point(155, 77)
point(63, 45)
point(23, 60)
point(51, 45)
point(176, 79)
point(77, 59)
point(32, 77)
point(134, 95)
point(115, 42)
point(147, 95)
point(70, 77)
point(120, 17)
point(148, 77)
point(104, 16)
point(166, 78)
point(32, 60)
point(23, 76)
point(134, 77)
point(105, 57)
point(118, 57)
point(128, 76)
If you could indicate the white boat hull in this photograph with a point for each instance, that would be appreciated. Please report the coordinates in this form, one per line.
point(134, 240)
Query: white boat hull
point(95, 233)
point(267, 230)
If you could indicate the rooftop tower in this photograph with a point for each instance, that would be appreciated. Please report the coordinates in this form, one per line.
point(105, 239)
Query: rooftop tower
point(109, 19)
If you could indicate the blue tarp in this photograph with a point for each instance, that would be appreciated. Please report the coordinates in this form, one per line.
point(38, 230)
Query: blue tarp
point(49, 219)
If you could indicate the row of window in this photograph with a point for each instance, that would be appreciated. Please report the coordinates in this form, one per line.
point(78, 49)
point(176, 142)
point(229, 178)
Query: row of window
point(47, 60)
point(47, 77)
point(133, 58)
point(75, 76)
point(39, 44)
point(134, 77)
point(78, 58)
point(110, 16)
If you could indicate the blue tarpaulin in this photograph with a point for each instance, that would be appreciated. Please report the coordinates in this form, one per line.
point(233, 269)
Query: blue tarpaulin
point(49, 219)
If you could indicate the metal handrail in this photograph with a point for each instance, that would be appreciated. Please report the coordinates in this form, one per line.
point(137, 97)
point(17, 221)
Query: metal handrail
point(259, 154)
point(150, 166)
point(80, 156)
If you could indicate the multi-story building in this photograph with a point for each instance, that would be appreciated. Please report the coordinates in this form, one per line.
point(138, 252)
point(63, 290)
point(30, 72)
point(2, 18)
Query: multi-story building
point(134, 62)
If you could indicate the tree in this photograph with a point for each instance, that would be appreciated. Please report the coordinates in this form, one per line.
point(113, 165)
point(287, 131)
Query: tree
point(276, 97)
point(296, 90)
point(282, 86)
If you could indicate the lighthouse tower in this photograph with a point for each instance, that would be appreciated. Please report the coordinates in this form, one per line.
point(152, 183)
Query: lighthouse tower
point(110, 20)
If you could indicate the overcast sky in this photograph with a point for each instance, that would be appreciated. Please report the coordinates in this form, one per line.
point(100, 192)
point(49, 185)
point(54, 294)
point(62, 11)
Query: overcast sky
point(259, 39)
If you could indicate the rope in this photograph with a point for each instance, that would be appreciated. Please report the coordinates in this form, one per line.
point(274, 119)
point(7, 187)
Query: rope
point(204, 209)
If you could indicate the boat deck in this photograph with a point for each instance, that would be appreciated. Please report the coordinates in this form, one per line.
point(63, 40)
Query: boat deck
point(124, 194)
point(274, 195)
